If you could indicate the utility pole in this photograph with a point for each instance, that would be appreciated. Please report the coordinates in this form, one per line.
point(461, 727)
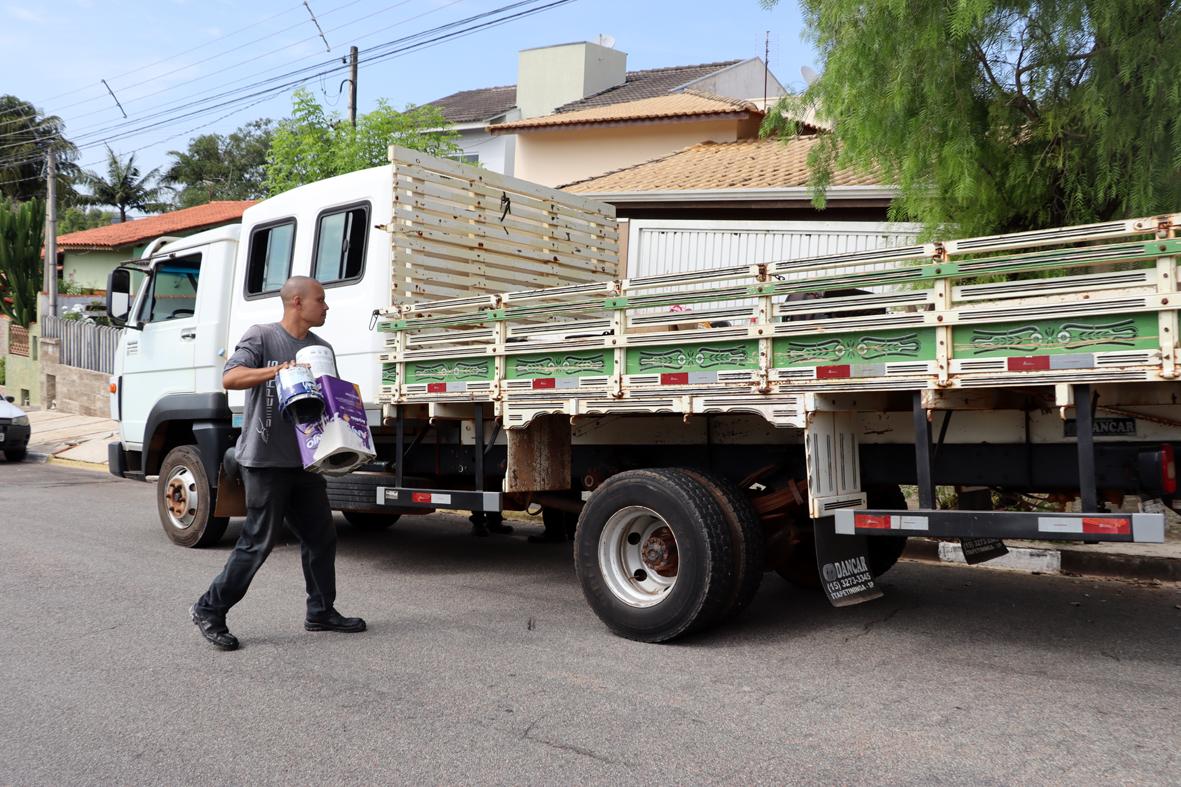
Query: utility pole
point(51, 232)
point(353, 85)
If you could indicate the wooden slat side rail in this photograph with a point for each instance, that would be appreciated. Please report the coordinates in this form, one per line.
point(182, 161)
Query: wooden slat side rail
point(1095, 304)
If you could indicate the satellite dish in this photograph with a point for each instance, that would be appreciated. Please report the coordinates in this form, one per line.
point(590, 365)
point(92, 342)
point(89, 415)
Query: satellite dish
point(606, 40)
point(809, 74)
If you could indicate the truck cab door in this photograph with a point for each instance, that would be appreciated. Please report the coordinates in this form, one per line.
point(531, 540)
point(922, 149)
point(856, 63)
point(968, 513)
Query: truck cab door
point(160, 357)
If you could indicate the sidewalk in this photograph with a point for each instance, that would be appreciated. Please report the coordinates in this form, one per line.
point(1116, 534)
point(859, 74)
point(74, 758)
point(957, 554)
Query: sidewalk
point(79, 438)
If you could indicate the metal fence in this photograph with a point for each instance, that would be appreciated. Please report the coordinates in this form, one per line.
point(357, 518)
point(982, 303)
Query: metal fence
point(84, 345)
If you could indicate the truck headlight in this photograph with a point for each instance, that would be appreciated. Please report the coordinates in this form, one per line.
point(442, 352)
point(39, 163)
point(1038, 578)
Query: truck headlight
point(20, 420)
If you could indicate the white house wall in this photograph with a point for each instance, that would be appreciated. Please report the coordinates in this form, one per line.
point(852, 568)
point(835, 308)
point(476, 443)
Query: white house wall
point(742, 80)
point(497, 153)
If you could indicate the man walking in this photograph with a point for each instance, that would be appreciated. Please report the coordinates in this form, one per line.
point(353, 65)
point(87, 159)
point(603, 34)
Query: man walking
point(277, 486)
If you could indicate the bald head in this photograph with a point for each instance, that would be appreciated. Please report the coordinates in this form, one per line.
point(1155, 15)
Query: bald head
point(302, 286)
point(304, 305)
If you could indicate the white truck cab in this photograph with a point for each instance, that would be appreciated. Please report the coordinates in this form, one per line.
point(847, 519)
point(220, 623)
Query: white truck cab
point(186, 302)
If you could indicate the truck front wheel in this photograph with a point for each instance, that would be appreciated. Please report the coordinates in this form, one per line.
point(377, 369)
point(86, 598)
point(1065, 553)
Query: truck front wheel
point(186, 500)
point(652, 553)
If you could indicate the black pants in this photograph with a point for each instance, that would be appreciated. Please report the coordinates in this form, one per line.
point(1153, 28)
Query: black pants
point(273, 494)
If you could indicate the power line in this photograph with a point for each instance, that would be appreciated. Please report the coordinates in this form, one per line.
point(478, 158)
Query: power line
point(187, 100)
point(102, 127)
point(160, 76)
point(381, 52)
point(121, 130)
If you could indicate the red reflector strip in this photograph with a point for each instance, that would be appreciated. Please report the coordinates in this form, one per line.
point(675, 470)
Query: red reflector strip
point(421, 497)
point(872, 521)
point(436, 387)
point(1030, 363)
point(833, 372)
point(1168, 469)
point(675, 378)
point(1107, 525)
point(544, 382)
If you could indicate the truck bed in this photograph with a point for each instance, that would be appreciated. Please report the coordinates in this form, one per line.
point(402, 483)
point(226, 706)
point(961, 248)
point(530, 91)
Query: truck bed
point(1094, 304)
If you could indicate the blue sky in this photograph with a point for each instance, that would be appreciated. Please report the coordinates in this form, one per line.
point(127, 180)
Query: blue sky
point(162, 56)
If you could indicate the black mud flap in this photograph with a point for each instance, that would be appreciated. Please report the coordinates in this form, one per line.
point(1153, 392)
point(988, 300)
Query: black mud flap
point(844, 565)
point(978, 550)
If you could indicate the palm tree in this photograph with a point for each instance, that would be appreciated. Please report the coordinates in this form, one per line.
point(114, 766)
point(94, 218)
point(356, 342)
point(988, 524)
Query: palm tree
point(124, 187)
point(27, 138)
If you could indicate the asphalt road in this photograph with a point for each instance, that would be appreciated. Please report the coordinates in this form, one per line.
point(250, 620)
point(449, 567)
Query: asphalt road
point(484, 665)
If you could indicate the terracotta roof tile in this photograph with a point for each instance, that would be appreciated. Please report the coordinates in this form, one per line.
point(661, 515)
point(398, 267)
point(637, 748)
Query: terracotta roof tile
point(136, 231)
point(750, 164)
point(690, 103)
point(470, 106)
point(486, 103)
point(648, 83)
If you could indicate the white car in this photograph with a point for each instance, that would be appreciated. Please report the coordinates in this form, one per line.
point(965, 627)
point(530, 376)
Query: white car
point(14, 430)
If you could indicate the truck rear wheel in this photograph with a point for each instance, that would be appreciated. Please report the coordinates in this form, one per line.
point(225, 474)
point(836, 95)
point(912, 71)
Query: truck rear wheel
point(185, 500)
point(652, 553)
point(748, 541)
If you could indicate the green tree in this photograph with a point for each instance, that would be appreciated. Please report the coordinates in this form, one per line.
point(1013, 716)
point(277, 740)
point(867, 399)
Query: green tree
point(314, 144)
point(124, 187)
point(76, 219)
point(22, 227)
point(999, 115)
point(26, 137)
point(217, 167)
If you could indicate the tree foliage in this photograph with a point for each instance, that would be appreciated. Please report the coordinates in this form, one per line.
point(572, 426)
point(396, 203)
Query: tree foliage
point(124, 187)
point(221, 167)
point(998, 115)
point(26, 137)
point(314, 144)
point(22, 228)
point(75, 219)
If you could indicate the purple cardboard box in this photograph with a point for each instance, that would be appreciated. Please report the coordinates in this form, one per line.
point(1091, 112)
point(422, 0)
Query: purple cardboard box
point(343, 427)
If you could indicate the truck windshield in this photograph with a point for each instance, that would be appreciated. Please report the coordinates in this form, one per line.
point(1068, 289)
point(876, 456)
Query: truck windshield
point(173, 292)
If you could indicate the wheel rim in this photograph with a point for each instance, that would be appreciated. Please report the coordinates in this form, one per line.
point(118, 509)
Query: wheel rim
point(638, 556)
point(181, 498)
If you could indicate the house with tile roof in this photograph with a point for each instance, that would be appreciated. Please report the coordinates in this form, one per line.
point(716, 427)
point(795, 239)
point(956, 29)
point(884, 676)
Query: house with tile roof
point(716, 204)
point(748, 179)
point(580, 76)
point(569, 146)
point(88, 256)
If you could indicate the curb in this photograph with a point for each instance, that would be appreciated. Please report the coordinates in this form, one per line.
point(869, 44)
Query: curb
point(76, 464)
point(1076, 562)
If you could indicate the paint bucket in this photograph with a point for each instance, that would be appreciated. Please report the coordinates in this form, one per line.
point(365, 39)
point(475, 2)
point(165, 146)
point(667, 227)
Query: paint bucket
point(320, 359)
point(299, 395)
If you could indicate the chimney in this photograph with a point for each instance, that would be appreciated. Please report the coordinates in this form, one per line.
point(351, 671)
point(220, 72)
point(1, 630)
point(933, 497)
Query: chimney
point(551, 76)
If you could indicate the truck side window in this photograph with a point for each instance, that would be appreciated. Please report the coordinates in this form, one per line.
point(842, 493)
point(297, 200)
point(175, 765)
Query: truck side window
point(269, 264)
point(340, 244)
point(173, 293)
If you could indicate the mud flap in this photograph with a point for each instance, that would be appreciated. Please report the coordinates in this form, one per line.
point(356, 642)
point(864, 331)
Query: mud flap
point(844, 565)
point(979, 550)
point(230, 500)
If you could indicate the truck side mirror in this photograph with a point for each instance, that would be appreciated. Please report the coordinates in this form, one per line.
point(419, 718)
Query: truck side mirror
point(119, 296)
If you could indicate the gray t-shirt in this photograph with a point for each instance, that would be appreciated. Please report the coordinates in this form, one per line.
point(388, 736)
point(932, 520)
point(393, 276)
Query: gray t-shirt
point(268, 439)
